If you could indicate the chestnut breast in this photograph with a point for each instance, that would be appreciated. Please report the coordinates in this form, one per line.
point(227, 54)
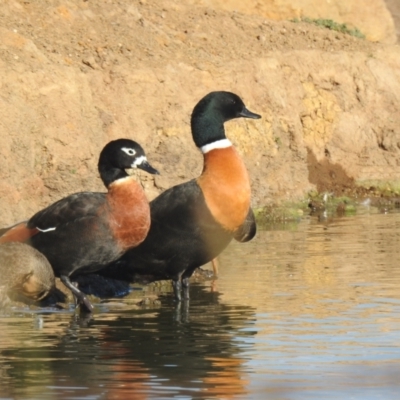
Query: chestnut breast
point(129, 212)
point(226, 187)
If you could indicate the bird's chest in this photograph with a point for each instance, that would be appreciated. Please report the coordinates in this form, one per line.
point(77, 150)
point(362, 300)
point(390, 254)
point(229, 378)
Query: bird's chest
point(226, 187)
point(129, 214)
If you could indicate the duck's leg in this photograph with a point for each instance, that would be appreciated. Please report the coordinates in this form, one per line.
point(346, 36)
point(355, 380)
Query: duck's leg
point(177, 286)
point(215, 266)
point(185, 287)
point(181, 285)
point(82, 300)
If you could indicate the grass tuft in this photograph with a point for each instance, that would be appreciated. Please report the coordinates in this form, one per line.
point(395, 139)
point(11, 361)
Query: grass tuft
point(332, 25)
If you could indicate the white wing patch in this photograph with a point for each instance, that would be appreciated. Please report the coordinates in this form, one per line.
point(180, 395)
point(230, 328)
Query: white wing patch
point(46, 230)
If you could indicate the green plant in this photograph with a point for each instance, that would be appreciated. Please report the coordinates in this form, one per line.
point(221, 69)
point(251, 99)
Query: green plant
point(332, 25)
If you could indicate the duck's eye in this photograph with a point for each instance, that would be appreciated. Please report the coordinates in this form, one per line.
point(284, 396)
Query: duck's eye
point(129, 151)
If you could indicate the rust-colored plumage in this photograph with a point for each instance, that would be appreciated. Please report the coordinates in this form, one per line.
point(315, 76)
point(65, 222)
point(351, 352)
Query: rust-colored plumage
point(18, 233)
point(226, 187)
point(129, 223)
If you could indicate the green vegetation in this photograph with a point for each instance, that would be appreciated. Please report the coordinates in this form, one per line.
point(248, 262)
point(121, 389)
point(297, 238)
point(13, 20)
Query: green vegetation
point(331, 205)
point(332, 25)
point(287, 215)
point(278, 141)
point(381, 188)
point(283, 213)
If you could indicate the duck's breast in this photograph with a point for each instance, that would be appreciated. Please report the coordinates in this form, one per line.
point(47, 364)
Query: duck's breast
point(129, 212)
point(226, 187)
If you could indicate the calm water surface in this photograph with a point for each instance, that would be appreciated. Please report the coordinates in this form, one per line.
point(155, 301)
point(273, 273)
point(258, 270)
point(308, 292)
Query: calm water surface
point(308, 311)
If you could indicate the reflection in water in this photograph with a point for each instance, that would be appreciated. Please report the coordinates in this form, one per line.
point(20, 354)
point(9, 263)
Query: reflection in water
point(143, 353)
point(327, 304)
point(309, 311)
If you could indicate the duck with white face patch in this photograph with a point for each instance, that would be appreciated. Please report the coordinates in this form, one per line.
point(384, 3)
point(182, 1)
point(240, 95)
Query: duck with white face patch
point(84, 231)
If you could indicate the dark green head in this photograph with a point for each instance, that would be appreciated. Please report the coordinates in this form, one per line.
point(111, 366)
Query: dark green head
point(212, 111)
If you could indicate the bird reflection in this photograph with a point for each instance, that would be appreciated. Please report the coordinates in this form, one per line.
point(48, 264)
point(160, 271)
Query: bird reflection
point(147, 353)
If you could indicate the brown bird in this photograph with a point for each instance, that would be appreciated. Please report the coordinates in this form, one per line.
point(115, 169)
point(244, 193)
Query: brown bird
point(24, 273)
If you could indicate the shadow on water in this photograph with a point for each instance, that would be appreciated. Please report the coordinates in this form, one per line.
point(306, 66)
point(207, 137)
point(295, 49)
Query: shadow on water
point(153, 353)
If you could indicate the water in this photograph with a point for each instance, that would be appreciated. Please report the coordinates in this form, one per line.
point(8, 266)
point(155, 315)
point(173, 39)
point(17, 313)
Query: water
point(305, 311)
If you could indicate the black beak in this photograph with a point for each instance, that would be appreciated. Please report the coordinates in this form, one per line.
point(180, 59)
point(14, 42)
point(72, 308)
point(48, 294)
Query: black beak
point(145, 166)
point(248, 114)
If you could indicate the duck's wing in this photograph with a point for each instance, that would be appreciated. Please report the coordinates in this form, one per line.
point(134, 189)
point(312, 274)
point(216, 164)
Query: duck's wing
point(248, 229)
point(67, 210)
point(179, 209)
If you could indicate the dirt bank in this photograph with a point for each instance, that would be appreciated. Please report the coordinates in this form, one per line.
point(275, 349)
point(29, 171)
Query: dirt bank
point(75, 74)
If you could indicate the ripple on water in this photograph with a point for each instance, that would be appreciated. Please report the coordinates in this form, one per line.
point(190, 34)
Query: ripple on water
point(308, 312)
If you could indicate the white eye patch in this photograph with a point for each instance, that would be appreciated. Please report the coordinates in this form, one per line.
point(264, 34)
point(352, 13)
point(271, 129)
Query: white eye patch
point(138, 161)
point(129, 151)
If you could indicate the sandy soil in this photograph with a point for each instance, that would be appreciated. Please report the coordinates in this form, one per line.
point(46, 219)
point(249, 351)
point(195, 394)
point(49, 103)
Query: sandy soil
point(75, 74)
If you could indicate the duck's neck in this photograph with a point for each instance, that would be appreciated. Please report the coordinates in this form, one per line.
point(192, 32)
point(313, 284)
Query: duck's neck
point(110, 174)
point(207, 129)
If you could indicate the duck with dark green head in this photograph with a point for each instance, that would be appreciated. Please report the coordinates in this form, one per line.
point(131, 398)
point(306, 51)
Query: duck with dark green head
point(194, 222)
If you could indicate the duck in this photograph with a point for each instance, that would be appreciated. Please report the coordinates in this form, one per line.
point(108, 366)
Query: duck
point(25, 274)
point(193, 222)
point(84, 231)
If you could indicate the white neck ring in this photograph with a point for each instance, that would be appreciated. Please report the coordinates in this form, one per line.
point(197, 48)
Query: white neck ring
point(219, 144)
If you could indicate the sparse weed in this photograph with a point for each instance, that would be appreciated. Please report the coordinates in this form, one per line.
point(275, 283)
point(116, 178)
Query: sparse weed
point(332, 25)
